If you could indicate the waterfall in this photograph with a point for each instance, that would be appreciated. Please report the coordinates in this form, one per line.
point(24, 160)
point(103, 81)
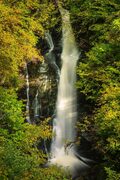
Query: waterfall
point(50, 41)
point(36, 107)
point(27, 92)
point(50, 56)
point(64, 135)
point(66, 100)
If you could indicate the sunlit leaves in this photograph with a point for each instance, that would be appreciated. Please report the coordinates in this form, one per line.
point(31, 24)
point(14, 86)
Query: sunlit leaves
point(21, 25)
point(112, 174)
point(97, 23)
point(21, 150)
point(107, 117)
point(11, 110)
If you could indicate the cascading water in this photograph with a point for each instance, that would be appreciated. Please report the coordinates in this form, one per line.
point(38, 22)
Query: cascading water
point(27, 92)
point(64, 123)
point(49, 40)
point(51, 56)
point(36, 107)
point(66, 101)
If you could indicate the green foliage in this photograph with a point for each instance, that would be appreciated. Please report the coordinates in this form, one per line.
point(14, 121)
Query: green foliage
point(100, 68)
point(21, 25)
point(11, 111)
point(96, 25)
point(20, 154)
point(111, 174)
point(106, 119)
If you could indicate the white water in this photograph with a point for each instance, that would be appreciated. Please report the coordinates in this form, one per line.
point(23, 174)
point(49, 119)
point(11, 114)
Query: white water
point(28, 100)
point(50, 55)
point(36, 107)
point(49, 40)
point(64, 123)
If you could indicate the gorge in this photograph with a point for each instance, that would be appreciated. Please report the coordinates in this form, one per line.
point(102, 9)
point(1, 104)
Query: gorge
point(59, 90)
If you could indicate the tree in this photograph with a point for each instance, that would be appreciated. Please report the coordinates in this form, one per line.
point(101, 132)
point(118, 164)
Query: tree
point(21, 25)
point(21, 156)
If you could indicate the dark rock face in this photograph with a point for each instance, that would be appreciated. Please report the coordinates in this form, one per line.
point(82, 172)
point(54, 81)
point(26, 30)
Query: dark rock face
point(43, 90)
point(43, 81)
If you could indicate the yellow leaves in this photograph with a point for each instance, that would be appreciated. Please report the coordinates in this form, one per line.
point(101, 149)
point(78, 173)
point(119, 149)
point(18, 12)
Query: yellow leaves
point(110, 108)
point(34, 132)
point(46, 12)
point(29, 53)
point(6, 38)
point(107, 117)
point(113, 143)
point(110, 115)
point(111, 92)
point(32, 4)
point(46, 129)
point(17, 40)
point(36, 27)
point(116, 24)
point(26, 37)
point(9, 19)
